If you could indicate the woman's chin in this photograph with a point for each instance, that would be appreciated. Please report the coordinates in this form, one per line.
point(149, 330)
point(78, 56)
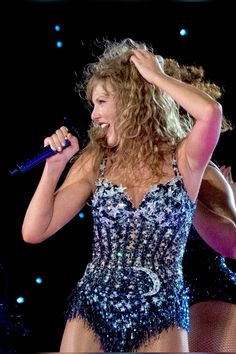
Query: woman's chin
point(111, 141)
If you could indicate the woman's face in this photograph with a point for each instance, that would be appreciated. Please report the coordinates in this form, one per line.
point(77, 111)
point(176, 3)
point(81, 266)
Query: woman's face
point(104, 110)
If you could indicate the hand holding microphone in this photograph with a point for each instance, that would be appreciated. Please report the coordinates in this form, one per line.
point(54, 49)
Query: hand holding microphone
point(61, 139)
point(53, 145)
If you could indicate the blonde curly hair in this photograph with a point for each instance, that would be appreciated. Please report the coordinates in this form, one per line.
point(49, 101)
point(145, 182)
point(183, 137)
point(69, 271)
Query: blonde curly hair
point(149, 123)
point(195, 75)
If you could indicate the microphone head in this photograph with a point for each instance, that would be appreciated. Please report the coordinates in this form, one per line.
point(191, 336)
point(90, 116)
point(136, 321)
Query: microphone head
point(14, 172)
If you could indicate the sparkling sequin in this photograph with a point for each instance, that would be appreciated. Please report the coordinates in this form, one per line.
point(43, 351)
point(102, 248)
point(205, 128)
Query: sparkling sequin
point(209, 278)
point(155, 280)
point(133, 287)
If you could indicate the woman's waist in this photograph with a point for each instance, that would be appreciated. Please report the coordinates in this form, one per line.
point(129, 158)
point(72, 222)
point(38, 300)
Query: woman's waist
point(150, 273)
point(140, 285)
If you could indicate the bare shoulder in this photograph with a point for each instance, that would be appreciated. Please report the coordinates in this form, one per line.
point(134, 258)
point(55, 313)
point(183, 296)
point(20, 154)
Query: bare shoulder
point(214, 183)
point(216, 193)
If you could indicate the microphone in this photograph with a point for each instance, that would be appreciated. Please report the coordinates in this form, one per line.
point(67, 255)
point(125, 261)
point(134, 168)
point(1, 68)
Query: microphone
point(45, 153)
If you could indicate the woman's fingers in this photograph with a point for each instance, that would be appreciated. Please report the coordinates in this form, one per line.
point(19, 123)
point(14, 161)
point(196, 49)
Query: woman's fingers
point(57, 140)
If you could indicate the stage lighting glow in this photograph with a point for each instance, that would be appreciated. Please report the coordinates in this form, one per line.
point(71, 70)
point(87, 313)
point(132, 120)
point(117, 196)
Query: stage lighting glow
point(59, 44)
point(57, 28)
point(39, 280)
point(20, 300)
point(183, 32)
point(81, 215)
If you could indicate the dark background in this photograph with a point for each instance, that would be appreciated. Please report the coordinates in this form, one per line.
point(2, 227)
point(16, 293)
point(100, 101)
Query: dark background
point(38, 90)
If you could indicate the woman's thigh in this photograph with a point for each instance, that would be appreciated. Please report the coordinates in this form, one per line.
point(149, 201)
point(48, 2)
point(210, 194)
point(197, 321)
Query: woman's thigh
point(173, 340)
point(212, 327)
point(77, 337)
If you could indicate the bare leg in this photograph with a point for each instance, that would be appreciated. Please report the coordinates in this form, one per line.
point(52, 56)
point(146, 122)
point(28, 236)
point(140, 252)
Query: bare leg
point(173, 340)
point(79, 338)
point(213, 327)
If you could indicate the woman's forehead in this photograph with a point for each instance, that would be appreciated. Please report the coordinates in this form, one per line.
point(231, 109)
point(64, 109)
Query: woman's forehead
point(102, 88)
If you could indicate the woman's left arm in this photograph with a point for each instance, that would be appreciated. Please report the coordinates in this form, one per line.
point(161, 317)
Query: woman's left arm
point(197, 148)
point(200, 143)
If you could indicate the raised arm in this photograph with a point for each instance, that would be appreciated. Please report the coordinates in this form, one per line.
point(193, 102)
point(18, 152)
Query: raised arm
point(215, 218)
point(196, 150)
point(51, 208)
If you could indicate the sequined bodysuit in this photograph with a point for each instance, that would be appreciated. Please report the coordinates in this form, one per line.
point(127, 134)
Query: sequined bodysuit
point(133, 287)
point(206, 272)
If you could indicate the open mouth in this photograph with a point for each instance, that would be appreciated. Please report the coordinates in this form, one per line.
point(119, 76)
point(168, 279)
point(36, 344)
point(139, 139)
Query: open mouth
point(104, 125)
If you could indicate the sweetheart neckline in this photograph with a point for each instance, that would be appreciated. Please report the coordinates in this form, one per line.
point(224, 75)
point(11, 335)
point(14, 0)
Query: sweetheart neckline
point(149, 190)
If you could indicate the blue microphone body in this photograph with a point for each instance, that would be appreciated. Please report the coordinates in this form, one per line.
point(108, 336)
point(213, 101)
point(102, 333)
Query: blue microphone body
point(36, 160)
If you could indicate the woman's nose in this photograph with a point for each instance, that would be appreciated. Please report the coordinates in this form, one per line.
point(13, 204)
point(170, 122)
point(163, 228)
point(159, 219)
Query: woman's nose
point(94, 115)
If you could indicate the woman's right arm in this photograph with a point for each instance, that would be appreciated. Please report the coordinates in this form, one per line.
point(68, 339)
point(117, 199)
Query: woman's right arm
point(215, 217)
point(50, 209)
point(217, 230)
point(226, 171)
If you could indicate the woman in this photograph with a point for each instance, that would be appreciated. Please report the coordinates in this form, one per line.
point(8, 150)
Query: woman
point(212, 284)
point(142, 168)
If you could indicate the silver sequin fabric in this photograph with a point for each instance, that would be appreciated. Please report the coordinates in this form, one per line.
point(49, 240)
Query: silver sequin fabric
point(133, 287)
